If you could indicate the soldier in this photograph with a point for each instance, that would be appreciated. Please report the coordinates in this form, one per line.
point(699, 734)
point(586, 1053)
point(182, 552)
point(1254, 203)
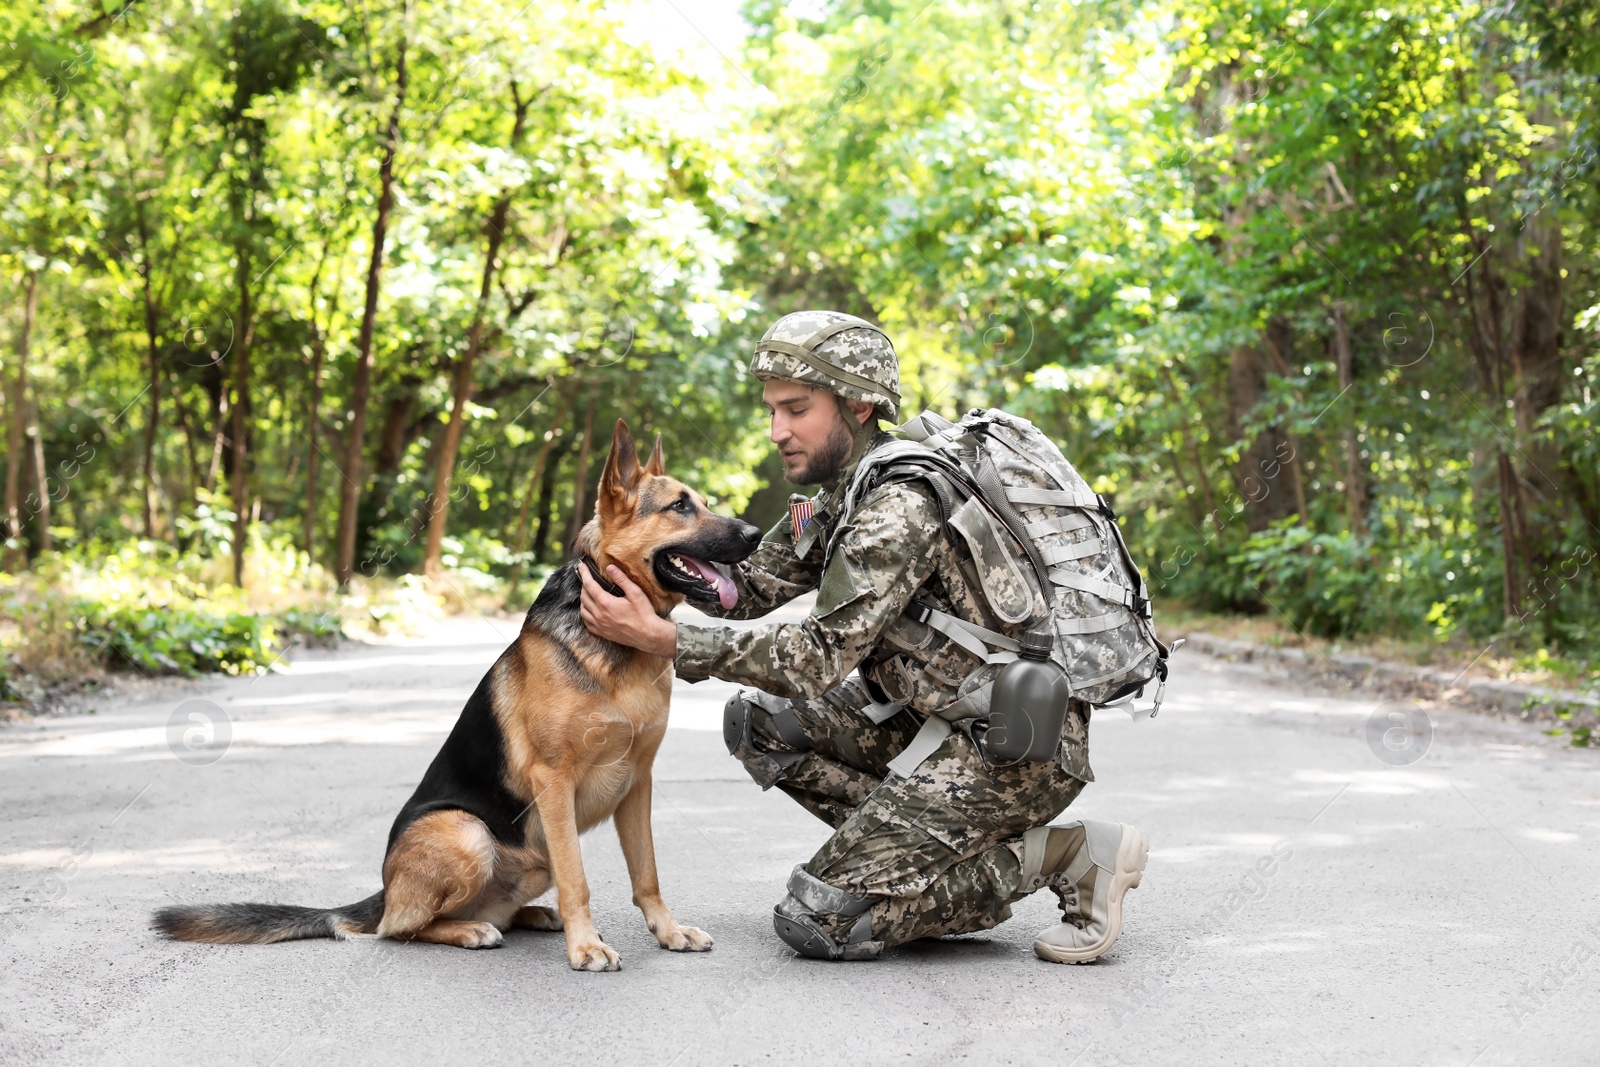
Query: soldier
point(921, 848)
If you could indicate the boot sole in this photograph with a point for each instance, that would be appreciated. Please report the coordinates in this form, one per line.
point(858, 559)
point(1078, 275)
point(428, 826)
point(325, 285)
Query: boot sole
point(1133, 852)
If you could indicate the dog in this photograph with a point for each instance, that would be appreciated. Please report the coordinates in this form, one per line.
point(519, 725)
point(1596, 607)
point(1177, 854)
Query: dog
point(560, 735)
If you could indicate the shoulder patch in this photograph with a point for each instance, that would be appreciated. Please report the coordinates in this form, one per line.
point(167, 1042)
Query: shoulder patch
point(800, 513)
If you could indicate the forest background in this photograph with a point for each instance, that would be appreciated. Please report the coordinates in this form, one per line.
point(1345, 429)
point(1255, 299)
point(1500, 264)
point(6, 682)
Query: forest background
point(1309, 291)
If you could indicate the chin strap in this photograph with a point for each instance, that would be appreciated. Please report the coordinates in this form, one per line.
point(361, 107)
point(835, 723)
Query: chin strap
point(861, 432)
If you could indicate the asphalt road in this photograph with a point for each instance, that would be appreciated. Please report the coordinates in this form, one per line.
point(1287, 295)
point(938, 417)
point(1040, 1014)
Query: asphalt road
point(1306, 902)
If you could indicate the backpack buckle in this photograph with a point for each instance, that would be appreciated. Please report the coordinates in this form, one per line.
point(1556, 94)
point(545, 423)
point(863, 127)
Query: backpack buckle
point(1105, 507)
point(917, 611)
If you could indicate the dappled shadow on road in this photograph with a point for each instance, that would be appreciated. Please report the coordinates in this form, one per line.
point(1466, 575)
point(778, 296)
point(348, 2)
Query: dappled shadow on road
point(1303, 901)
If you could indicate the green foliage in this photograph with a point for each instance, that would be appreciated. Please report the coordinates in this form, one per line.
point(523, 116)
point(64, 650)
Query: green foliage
point(1314, 294)
point(9, 693)
point(311, 627)
point(176, 640)
point(1273, 277)
point(1324, 583)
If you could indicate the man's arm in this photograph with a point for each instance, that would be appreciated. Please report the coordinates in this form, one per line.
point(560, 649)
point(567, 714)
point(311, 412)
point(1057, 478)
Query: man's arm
point(880, 563)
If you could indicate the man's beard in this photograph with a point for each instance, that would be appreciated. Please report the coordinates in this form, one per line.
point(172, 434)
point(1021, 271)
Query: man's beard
point(828, 461)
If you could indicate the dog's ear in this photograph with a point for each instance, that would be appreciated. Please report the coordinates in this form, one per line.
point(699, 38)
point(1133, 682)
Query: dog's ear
point(621, 477)
point(655, 464)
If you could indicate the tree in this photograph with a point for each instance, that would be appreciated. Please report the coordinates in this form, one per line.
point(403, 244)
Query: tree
point(355, 439)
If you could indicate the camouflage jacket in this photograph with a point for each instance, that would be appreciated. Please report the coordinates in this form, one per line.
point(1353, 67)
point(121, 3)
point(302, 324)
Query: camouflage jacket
point(893, 550)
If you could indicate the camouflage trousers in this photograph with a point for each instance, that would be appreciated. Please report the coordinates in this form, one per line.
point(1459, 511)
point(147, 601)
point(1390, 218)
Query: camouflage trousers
point(937, 853)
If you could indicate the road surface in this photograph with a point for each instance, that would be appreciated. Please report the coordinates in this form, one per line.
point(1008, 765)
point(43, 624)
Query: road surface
point(1306, 901)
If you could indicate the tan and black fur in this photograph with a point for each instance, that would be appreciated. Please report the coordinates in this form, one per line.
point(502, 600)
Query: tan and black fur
point(560, 735)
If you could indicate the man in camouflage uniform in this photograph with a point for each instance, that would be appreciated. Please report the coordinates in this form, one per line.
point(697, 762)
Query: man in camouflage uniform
point(943, 846)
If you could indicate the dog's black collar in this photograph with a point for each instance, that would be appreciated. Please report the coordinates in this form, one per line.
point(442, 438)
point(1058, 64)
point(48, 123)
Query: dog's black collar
point(608, 585)
point(605, 583)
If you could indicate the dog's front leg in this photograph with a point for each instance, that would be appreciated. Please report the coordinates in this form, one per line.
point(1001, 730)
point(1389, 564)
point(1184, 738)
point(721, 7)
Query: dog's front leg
point(558, 816)
point(638, 847)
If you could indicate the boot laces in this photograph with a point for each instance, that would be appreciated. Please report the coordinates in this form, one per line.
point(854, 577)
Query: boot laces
point(1067, 893)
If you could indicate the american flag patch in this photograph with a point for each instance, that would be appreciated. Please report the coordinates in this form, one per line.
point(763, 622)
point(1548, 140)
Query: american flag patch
point(800, 515)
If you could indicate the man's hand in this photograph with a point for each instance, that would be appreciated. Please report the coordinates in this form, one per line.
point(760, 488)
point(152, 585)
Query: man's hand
point(628, 619)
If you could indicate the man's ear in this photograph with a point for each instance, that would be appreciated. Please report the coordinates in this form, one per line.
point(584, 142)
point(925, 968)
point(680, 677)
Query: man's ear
point(656, 465)
point(621, 475)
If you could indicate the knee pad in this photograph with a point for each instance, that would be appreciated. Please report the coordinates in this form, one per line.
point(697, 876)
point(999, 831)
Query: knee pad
point(736, 724)
point(796, 920)
point(739, 735)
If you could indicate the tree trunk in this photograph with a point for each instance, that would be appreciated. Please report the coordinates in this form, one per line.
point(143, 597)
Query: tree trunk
point(1485, 292)
point(399, 428)
point(1513, 536)
point(1355, 481)
point(238, 486)
point(1264, 455)
point(41, 478)
point(220, 409)
point(1584, 495)
point(350, 495)
point(536, 477)
point(580, 482)
point(547, 496)
point(152, 355)
point(19, 428)
point(319, 352)
point(1540, 373)
point(1280, 346)
point(188, 435)
point(460, 391)
point(313, 426)
point(461, 380)
point(152, 424)
point(524, 512)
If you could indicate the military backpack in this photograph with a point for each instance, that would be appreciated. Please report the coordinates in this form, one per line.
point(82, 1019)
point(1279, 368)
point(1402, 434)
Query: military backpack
point(1037, 546)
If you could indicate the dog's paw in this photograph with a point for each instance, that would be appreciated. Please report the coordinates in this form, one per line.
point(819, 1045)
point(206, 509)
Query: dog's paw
point(481, 935)
point(595, 956)
point(685, 939)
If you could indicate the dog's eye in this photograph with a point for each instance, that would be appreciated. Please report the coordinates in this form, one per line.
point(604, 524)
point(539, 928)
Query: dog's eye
point(682, 504)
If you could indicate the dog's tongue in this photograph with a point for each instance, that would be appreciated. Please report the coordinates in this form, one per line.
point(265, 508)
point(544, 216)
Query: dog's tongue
point(726, 593)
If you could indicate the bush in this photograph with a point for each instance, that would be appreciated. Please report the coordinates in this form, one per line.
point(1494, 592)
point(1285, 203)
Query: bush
point(1340, 585)
point(174, 640)
point(9, 694)
point(319, 628)
point(148, 608)
point(1325, 583)
point(474, 559)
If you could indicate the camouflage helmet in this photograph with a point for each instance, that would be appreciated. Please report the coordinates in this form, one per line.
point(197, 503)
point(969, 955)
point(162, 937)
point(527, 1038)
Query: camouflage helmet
point(834, 351)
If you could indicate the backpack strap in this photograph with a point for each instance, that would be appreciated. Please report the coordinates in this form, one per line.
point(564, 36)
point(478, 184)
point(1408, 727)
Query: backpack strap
point(969, 635)
point(1060, 498)
point(1115, 592)
point(1089, 546)
point(1092, 624)
point(1070, 522)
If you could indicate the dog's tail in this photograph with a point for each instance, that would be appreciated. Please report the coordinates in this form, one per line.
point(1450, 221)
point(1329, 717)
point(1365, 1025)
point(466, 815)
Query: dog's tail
point(262, 924)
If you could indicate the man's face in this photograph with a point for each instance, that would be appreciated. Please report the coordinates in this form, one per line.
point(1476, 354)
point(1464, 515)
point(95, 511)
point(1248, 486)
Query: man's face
point(813, 438)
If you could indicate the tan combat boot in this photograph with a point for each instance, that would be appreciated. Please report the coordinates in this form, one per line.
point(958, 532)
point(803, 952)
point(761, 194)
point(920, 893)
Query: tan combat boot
point(1089, 865)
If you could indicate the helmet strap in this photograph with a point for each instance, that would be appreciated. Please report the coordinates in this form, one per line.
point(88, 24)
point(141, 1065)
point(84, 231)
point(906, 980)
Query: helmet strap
point(848, 415)
point(861, 431)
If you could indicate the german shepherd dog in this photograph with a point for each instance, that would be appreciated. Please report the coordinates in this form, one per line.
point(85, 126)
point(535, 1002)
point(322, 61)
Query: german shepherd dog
point(559, 736)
